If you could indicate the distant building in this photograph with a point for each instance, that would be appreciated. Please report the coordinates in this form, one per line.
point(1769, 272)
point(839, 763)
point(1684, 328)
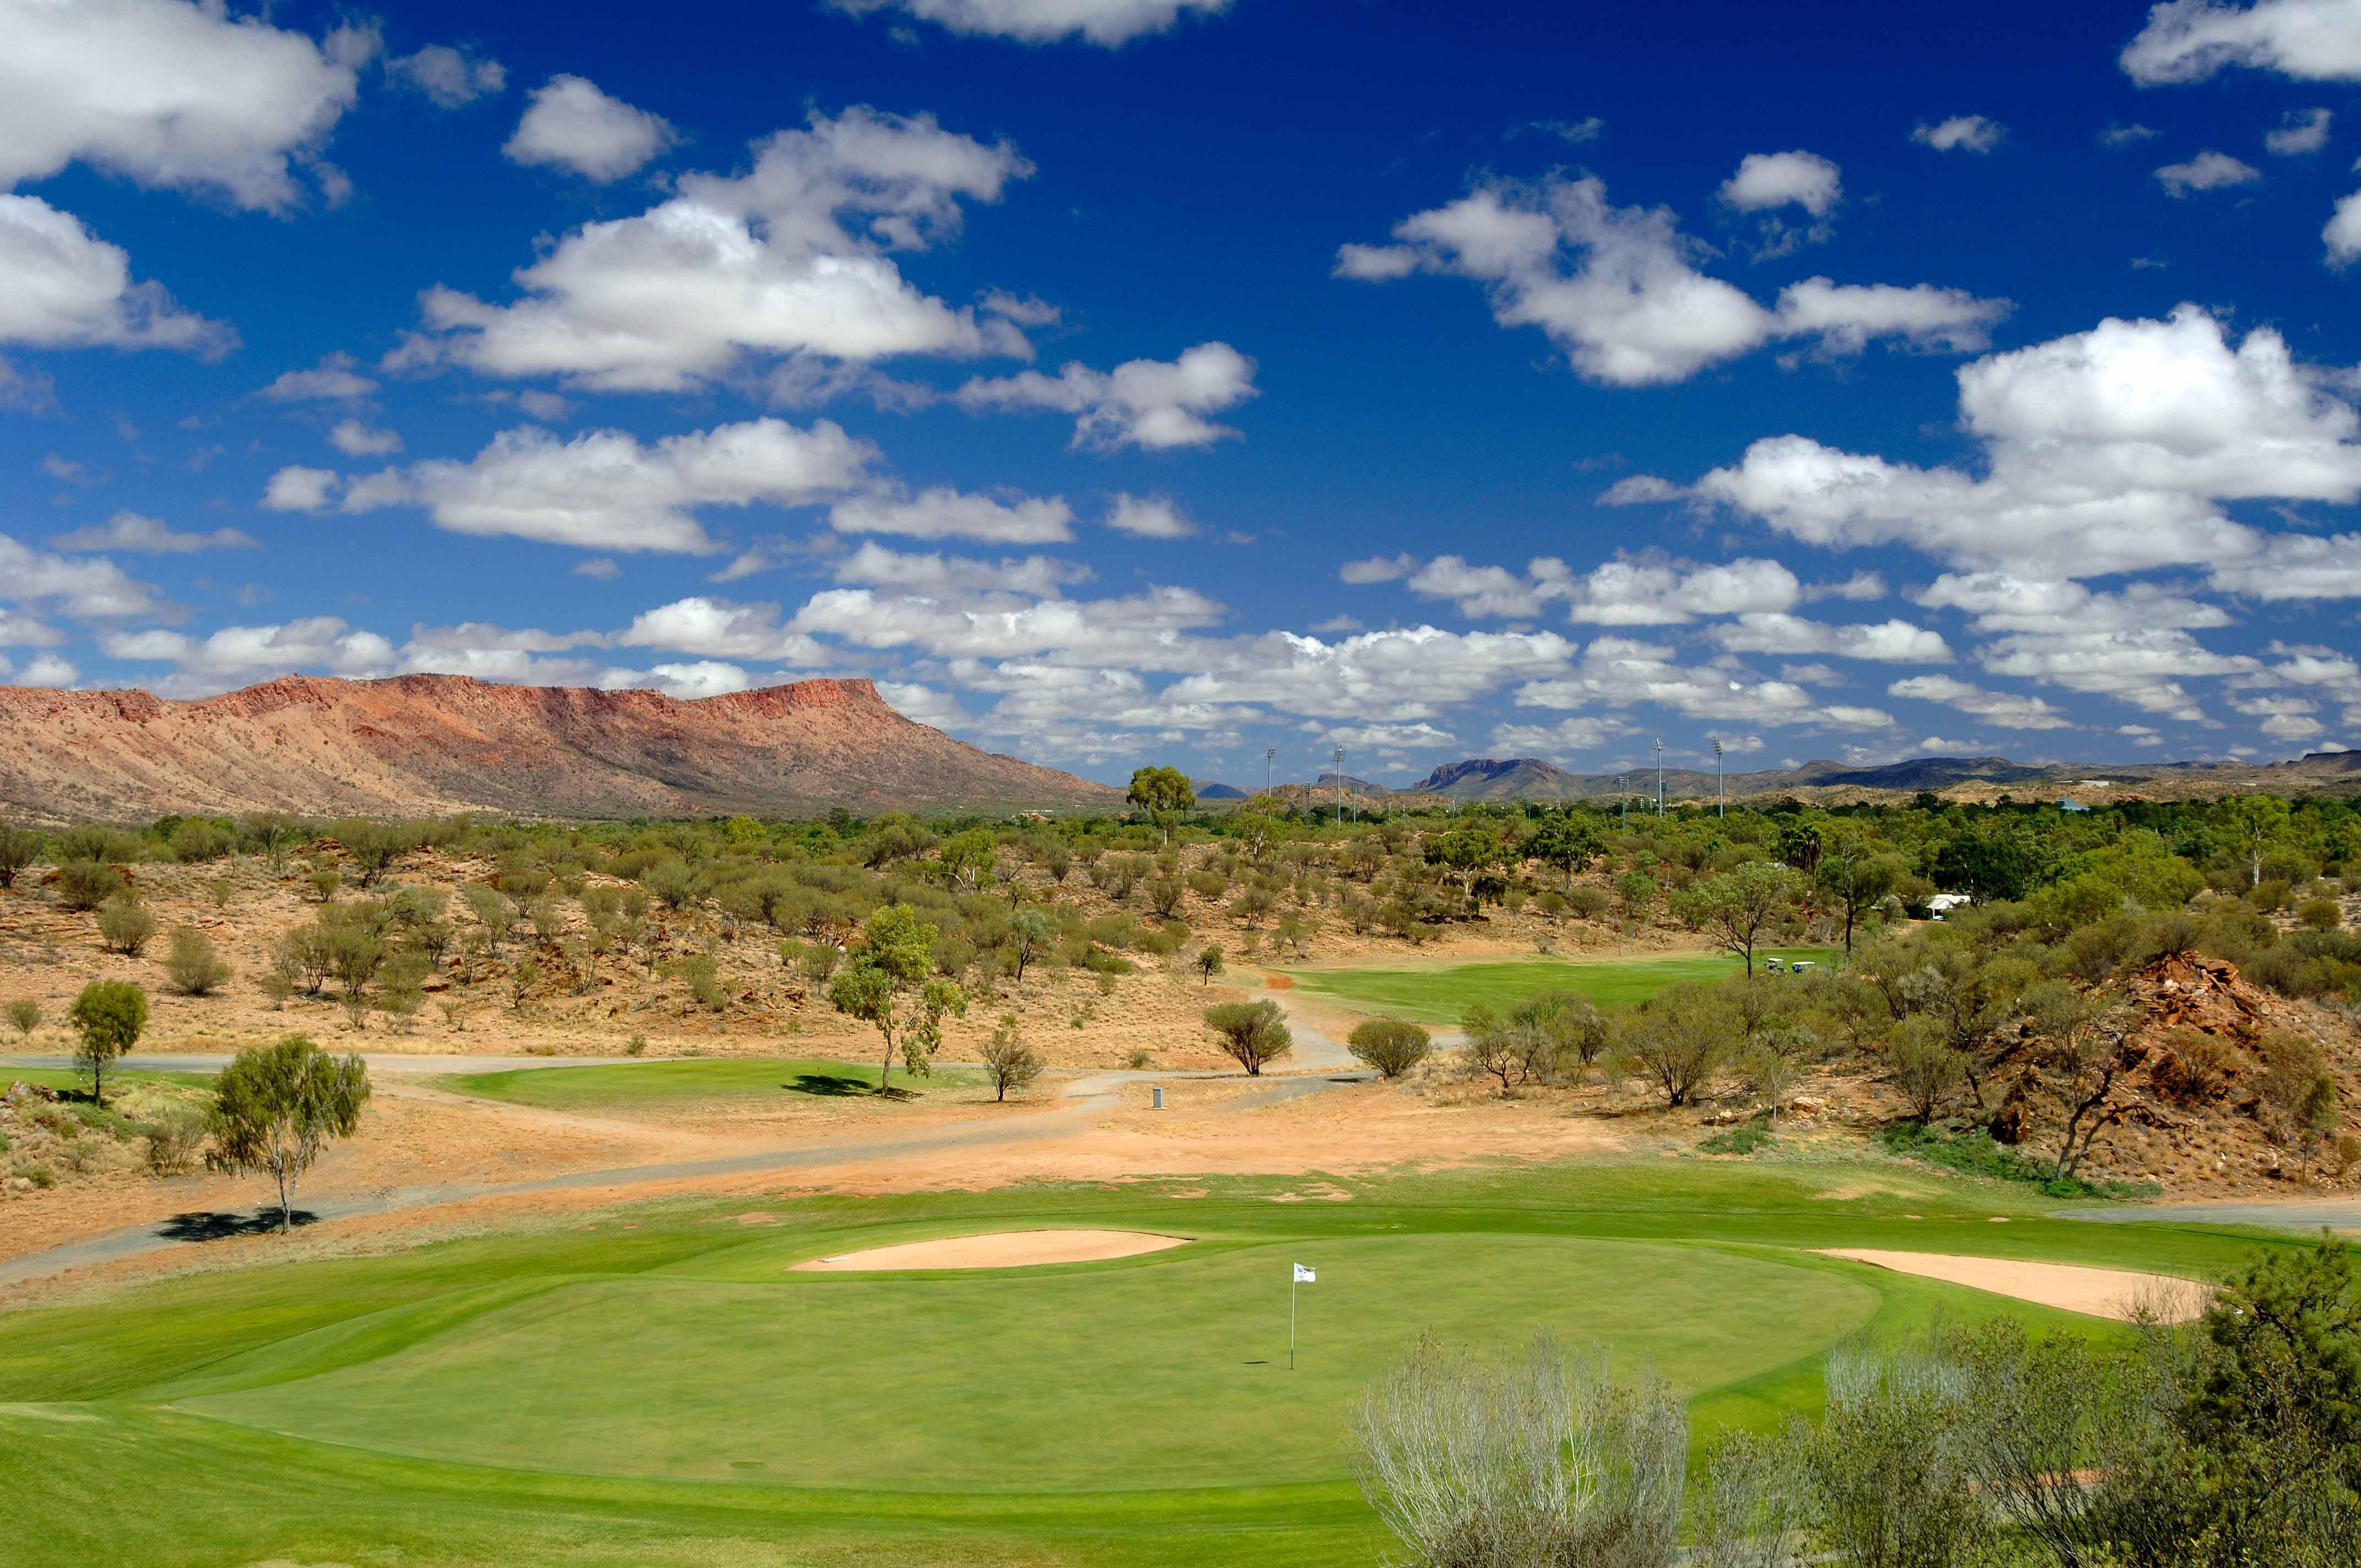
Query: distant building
point(1944, 903)
point(2068, 802)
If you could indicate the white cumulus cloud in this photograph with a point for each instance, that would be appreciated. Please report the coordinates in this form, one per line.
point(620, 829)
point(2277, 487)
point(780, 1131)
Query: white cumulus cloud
point(789, 258)
point(1960, 133)
point(2209, 170)
point(449, 78)
point(1159, 405)
point(170, 93)
point(946, 513)
point(605, 490)
point(68, 288)
point(146, 535)
point(570, 124)
point(1107, 23)
point(2302, 131)
point(2189, 41)
point(1618, 289)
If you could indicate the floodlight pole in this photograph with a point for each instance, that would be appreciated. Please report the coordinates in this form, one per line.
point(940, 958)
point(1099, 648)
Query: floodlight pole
point(1660, 776)
point(1720, 800)
point(1269, 761)
point(1339, 821)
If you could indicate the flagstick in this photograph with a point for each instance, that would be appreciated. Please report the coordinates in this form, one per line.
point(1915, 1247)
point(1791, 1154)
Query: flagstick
point(1292, 1286)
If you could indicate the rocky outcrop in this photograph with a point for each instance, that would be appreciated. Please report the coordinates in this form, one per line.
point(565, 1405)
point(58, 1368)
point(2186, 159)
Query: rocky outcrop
point(420, 744)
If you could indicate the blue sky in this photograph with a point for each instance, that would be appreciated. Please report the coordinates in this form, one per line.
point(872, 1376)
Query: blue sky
point(1126, 380)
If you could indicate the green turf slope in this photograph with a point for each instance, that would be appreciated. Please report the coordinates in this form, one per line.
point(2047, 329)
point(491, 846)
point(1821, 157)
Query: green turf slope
point(612, 1088)
point(1438, 995)
point(652, 1388)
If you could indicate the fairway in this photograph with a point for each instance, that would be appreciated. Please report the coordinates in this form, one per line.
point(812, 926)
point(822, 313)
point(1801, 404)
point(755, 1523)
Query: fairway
point(619, 1087)
point(660, 1388)
point(1439, 995)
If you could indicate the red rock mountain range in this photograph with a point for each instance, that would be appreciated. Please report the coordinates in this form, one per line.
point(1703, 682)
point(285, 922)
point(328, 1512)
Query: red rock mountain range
point(433, 744)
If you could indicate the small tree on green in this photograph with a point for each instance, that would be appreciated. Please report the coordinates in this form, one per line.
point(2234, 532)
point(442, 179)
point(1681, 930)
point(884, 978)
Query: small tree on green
point(109, 1016)
point(1162, 794)
point(1207, 963)
point(1255, 1033)
point(278, 1105)
point(887, 981)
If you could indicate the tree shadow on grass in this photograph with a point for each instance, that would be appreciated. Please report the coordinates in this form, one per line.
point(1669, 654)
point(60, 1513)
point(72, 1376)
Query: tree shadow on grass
point(213, 1225)
point(831, 1084)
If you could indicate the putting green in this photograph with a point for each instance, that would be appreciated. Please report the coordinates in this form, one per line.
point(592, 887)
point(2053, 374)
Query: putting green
point(1439, 995)
point(618, 1088)
point(1150, 1372)
point(653, 1389)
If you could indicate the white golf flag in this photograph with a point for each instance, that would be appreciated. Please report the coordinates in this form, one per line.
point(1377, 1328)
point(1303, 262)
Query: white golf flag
point(1304, 1276)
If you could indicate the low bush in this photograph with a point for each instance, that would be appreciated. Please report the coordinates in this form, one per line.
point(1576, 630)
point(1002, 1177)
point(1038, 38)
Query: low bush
point(1973, 1152)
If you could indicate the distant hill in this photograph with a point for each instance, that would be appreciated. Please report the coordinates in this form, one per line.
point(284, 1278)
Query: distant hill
point(1531, 778)
point(1211, 789)
point(431, 744)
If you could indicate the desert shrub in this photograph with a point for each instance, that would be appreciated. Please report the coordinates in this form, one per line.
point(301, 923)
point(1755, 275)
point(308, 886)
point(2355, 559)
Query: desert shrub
point(196, 840)
point(1546, 1461)
point(2191, 1066)
point(87, 884)
point(1008, 1062)
point(41, 1175)
point(172, 1145)
point(193, 966)
point(1588, 900)
point(1973, 1152)
point(2320, 914)
point(1924, 1066)
point(1391, 1045)
point(1255, 1033)
point(1744, 1139)
point(125, 924)
point(1679, 1039)
point(1890, 1465)
point(701, 975)
point(24, 1015)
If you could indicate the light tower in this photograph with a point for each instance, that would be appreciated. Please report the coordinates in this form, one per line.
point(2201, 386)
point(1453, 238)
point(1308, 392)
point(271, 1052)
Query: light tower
point(1340, 786)
point(1269, 761)
point(1659, 776)
point(1720, 801)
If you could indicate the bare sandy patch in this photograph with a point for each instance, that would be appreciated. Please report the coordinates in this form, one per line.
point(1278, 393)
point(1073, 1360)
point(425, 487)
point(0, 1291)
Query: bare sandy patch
point(2098, 1292)
point(998, 1249)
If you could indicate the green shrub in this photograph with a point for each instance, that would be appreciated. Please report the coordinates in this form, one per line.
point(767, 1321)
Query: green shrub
point(1973, 1152)
point(1391, 1045)
point(125, 924)
point(1739, 1140)
point(193, 966)
point(86, 884)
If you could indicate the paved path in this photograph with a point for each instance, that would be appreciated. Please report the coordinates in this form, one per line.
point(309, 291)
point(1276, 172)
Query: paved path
point(1079, 1103)
point(2289, 1214)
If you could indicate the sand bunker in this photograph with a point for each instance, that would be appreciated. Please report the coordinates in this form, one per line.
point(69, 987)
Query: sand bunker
point(1000, 1249)
point(2100, 1292)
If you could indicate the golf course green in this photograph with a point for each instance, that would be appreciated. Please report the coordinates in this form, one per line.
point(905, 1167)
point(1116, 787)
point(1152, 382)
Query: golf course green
point(689, 1084)
point(1440, 993)
point(655, 1386)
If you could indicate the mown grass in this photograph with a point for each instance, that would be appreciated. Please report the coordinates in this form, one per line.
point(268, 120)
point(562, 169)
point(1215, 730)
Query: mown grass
point(678, 1085)
point(1441, 995)
point(654, 1387)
